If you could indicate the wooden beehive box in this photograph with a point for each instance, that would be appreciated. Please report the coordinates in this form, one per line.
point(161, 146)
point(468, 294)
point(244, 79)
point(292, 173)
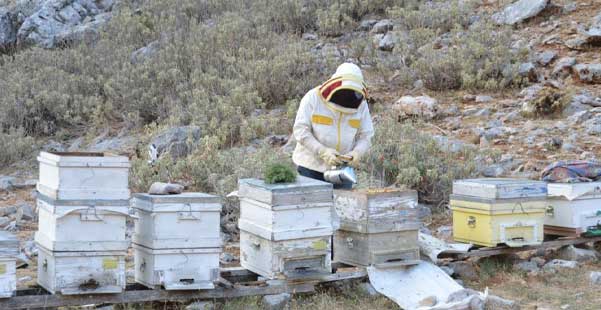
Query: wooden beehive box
point(500, 188)
point(9, 249)
point(303, 191)
point(82, 225)
point(573, 208)
point(177, 269)
point(74, 273)
point(489, 222)
point(301, 257)
point(83, 176)
point(187, 220)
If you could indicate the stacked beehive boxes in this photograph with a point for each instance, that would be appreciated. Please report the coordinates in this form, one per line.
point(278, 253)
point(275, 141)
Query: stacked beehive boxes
point(286, 229)
point(177, 240)
point(573, 209)
point(83, 201)
point(9, 249)
point(493, 211)
point(377, 227)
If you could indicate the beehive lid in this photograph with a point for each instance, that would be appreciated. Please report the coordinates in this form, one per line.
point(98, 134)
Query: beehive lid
point(179, 198)
point(500, 188)
point(303, 190)
point(9, 244)
point(83, 159)
point(500, 206)
point(179, 202)
point(571, 191)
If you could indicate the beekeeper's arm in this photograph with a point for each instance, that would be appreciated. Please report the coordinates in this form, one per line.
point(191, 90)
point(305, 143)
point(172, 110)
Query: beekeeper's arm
point(304, 134)
point(366, 132)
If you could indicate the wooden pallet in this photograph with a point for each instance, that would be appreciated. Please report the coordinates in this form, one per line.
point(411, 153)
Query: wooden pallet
point(234, 282)
point(562, 231)
point(492, 251)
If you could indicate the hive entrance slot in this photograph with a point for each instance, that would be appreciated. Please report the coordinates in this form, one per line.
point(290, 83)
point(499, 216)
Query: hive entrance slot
point(89, 285)
point(187, 281)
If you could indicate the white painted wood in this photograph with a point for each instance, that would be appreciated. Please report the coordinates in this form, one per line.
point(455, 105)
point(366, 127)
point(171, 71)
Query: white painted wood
point(500, 188)
point(9, 244)
point(72, 273)
point(377, 211)
point(286, 222)
point(83, 176)
point(398, 248)
point(571, 191)
point(177, 269)
point(578, 214)
point(286, 258)
point(82, 225)
point(188, 220)
point(8, 277)
point(303, 191)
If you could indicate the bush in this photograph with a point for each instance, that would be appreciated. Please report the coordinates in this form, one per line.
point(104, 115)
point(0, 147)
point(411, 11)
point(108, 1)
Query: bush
point(16, 146)
point(278, 173)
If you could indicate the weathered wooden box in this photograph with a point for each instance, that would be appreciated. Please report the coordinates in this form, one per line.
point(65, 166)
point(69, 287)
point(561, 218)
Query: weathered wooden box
point(303, 191)
point(488, 222)
point(187, 220)
point(377, 211)
point(82, 225)
point(9, 249)
point(286, 258)
point(177, 269)
point(72, 273)
point(86, 176)
point(500, 188)
point(384, 249)
point(573, 208)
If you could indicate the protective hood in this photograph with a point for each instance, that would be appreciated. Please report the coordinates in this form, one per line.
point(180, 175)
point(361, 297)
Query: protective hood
point(347, 76)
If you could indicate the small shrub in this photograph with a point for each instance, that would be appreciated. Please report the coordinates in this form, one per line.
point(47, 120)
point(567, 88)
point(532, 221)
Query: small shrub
point(16, 146)
point(547, 103)
point(279, 173)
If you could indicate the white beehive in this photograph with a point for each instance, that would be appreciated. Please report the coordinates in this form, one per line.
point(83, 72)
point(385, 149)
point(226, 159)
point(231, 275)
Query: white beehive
point(187, 220)
point(177, 269)
point(82, 225)
point(377, 227)
point(9, 249)
point(575, 206)
point(303, 191)
point(85, 176)
point(285, 258)
point(72, 273)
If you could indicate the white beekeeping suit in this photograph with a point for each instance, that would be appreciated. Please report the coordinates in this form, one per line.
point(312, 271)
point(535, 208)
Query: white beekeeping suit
point(328, 123)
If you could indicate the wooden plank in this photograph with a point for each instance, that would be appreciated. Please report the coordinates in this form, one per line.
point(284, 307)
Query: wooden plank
point(139, 296)
point(507, 250)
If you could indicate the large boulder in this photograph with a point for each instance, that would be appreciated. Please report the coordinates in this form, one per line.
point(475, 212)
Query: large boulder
point(588, 73)
point(422, 106)
point(8, 29)
point(175, 140)
point(520, 11)
point(58, 22)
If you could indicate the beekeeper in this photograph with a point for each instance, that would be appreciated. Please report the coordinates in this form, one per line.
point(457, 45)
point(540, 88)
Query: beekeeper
point(333, 120)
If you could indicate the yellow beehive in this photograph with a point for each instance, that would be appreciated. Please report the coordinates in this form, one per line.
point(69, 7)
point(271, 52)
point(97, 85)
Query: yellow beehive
point(489, 222)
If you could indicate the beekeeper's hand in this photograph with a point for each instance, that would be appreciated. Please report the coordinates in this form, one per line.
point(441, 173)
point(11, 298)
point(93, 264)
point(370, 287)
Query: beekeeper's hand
point(330, 156)
point(356, 159)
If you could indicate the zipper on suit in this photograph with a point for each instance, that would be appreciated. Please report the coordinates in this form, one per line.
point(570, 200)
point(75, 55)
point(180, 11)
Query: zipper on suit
point(339, 123)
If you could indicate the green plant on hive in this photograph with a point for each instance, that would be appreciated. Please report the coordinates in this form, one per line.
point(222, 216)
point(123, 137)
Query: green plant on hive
point(279, 173)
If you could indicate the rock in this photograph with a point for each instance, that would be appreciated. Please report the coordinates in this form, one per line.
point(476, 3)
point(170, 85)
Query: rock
point(584, 97)
point(25, 212)
point(142, 54)
point(444, 231)
point(382, 26)
point(22, 184)
point(53, 146)
point(519, 11)
point(419, 84)
point(227, 258)
point(531, 92)
point(539, 261)
point(367, 289)
point(276, 302)
point(6, 183)
point(569, 7)
point(576, 43)
point(493, 171)
point(201, 305)
point(527, 266)
point(447, 270)
point(483, 99)
point(8, 210)
point(309, 36)
point(563, 67)
point(595, 277)
point(572, 253)
point(461, 295)
point(277, 140)
point(367, 24)
point(464, 269)
point(556, 264)
point(165, 139)
point(546, 57)
point(104, 144)
point(8, 29)
point(422, 106)
point(64, 21)
point(159, 188)
point(593, 126)
point(387, 42)
point(4, 221)
point(528, 70)
point(468, 98)
point(588, 73)
point(428, 302)
point(498, 303)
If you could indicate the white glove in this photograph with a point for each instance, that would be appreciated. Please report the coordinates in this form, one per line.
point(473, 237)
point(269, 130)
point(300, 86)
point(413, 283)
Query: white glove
point(356, 159)
point(330, 157)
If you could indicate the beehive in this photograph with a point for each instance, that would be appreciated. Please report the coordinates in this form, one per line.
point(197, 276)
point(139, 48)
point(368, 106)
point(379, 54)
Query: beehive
point(286, 229)
point(187, 220)
point(377, 227)
point(177, 269)
point(73, 273)
point(9, 249)
point(500, 188)
point(82, 225)
point(83, 176)
point(573, 208)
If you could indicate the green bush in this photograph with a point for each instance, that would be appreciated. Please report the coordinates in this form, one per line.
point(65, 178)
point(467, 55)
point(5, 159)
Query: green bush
point(17, 146)
point(279, 173)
